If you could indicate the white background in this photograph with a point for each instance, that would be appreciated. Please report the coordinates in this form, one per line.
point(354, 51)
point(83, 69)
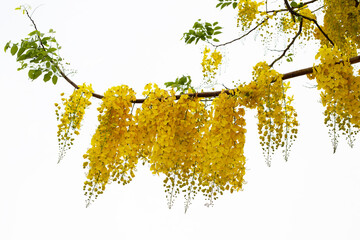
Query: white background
point(316, 195)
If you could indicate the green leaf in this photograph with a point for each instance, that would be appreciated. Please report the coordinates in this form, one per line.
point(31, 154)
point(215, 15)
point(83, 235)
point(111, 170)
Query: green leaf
point(34, 74)
point(7, 46)
point(54, 79)
point(182, 80)
point(293, 4)
point(168, 84)
point(218, 5)
point(48, 65)
point(216, 40)
point(14, 49)
point(217, 28)
point(23, 57)
point(216, 33)
point(47, 76)
point(21, 50)
point(191, 40)
point(234, 5)
point(50, 50)
point(35, 32)
point(18, 8)
point(23, 66)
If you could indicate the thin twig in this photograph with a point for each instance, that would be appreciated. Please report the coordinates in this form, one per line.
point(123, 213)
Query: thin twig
point(285, 9)
point(290, 44)
point(288, 75)
point(317, 9)
point(241, 37)
point(291, 10)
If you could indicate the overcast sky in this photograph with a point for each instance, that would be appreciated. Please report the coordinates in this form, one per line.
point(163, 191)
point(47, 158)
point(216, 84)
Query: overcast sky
point(316, 195)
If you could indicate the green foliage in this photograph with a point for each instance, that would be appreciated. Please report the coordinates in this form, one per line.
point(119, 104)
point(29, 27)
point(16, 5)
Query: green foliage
point(202, 31)
point(181, 85)
point(226, 3)
point(289, 57)
point(294, 4)
point(38, 53)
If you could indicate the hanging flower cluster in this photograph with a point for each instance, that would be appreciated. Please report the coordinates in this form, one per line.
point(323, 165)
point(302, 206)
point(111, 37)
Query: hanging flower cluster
point(170, 133)
point(223, 165)
point(195, 148)
point(342, 24)
point(247, 13)
point(112, 156)
point(277, 118)
point(71, 117)
point(210, 64)
point(289, 24)
point(340, 94)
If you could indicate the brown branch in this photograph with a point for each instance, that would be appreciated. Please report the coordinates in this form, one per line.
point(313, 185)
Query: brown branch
point(290, 44)
point(285, 9)
point(291, 10)
point(288, 75)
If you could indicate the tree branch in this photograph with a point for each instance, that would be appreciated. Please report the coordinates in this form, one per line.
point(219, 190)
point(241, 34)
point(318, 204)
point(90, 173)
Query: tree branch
point(285, 9)
point(288, 75)
point(291, 10)
point(290, 44)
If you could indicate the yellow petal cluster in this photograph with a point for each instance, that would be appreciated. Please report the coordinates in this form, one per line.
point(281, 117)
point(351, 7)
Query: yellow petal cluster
point(210, 64)
point(340, 93)
point(223, 164)
point(342, 25)
point(248, 12)
point(170, 132)
point(71, 117)
point(195, 148)
point(277, 124)
point(112, 156)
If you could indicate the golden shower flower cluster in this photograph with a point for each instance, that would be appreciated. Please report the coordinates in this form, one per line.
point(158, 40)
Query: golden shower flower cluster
point(196, 148)
point(210, 64)
point(112, 156)
point(71, 117)
point(223, 164)
point(289, 23)
point(340, 93)
point(248, 12)
point(342, 25)
point(170, 133)
point(277, 124)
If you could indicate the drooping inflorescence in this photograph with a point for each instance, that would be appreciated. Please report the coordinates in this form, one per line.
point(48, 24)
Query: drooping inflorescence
point(210, 64)
point(340, 94)
point(198, 148)
point(71, 117)
point(112, 157)
point(277, 118)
